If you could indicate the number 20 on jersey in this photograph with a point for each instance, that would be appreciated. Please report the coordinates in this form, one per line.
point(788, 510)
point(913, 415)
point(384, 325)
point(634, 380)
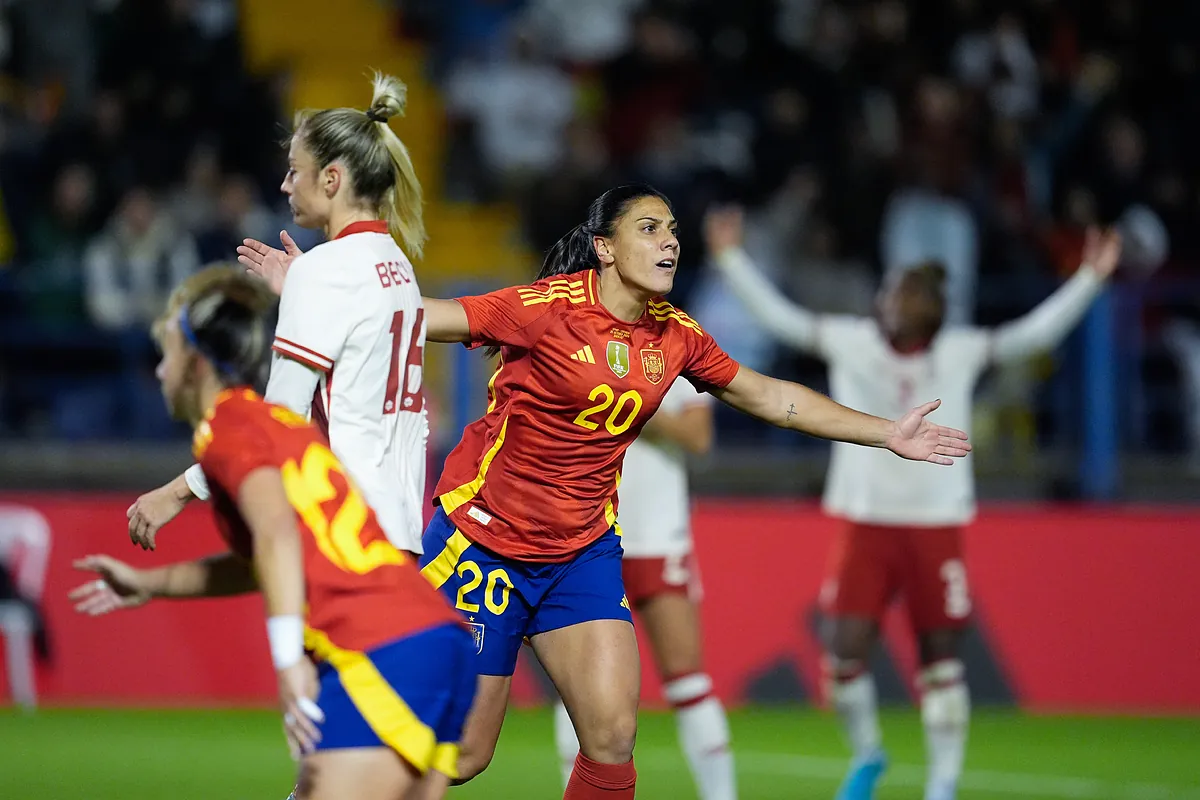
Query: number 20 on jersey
point(622, 410)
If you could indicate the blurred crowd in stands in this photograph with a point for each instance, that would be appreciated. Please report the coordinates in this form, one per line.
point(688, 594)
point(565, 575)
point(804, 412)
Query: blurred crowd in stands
point(861, 135)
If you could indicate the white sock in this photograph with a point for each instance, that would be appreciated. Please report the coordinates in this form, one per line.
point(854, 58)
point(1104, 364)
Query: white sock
point(857, 705)
point(565, 740)
point(703, 735)
point(946, 713)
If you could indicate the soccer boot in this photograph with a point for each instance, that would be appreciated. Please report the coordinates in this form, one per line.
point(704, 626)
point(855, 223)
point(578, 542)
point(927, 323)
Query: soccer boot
point(863, 775)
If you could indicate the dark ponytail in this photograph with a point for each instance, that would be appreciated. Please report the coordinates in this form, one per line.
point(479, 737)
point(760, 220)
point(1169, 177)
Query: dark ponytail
point(572, 253)
point(575, 251)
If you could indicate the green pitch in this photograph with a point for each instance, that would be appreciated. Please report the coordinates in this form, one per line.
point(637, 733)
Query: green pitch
point(782, 753)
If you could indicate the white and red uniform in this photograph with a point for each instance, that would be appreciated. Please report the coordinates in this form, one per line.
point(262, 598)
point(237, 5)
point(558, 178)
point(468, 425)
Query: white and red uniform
point(655, 511)
point(349, 349)
point(904, 518)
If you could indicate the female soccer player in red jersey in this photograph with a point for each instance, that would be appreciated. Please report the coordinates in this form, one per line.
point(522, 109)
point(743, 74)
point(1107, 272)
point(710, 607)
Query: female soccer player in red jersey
point(903, 532)
point(394, 673)
point(663, 586)
point(525, 540)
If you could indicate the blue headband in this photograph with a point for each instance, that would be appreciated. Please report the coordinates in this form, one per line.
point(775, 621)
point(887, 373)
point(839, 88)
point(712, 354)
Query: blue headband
point(185, 327)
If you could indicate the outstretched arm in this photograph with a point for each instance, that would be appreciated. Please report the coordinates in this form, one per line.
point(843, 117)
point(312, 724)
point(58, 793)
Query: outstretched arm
point(786, 321)
point(119, 585)
point(1046, 326)
point(790, 405)
point(445, 321)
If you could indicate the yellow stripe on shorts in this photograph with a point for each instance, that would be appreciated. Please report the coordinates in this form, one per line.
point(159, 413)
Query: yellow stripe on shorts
point(384, 710)
point(442, 567)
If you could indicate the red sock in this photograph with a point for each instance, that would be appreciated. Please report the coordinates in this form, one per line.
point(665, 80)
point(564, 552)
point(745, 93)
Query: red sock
point(592, 780)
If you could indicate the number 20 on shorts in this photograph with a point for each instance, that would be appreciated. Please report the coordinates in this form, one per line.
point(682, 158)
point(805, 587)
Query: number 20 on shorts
point(498, 582)
point(624, 411)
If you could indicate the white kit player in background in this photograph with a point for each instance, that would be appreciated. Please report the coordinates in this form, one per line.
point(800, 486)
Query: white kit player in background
point(662, 585)
point(904, 520)
point(349, 343)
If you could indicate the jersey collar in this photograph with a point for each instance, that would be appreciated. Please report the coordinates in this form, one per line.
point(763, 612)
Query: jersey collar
point(592, 285)
point(370, 226)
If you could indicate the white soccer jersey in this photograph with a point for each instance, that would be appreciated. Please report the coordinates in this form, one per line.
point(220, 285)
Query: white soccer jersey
point(872, 485)
point(351, 310)
point(654, 511)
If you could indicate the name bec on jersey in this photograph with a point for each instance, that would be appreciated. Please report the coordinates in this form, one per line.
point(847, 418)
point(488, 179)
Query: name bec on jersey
point(394, 273)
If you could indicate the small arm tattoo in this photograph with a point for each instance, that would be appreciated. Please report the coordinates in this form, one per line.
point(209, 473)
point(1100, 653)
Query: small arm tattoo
point(791, 412)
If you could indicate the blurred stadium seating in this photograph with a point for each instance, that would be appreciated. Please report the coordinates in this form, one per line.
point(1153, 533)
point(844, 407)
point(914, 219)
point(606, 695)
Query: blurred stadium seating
point(92, 118)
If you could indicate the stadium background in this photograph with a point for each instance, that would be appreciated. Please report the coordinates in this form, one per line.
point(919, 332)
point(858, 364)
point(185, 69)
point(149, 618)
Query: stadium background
point(138, 140)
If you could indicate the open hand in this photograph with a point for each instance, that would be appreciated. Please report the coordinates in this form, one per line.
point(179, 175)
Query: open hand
point(723, 229)
point(119, 586)
point(298, 690)
point(918, 439)
point(1102, 251)
point(269, 263)
point(153, 510)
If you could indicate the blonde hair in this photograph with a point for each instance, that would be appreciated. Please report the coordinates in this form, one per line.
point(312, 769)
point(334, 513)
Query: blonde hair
point(381, 170)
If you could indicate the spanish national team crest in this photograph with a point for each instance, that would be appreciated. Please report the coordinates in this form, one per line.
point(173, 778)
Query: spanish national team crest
point(653, 366)
point(618, 358)
point(476, 629)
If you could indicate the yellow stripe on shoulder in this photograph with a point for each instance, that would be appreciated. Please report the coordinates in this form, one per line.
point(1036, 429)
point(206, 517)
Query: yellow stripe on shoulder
point(557, 294)
point(664, 307)
point(574, 287)
point(685, 321)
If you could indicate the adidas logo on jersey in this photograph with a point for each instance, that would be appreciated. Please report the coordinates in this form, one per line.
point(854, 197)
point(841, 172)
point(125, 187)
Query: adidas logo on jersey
point(584, 354)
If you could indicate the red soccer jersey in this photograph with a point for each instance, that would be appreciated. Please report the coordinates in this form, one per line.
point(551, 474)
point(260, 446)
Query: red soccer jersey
point(536, 478)
point(360, 591)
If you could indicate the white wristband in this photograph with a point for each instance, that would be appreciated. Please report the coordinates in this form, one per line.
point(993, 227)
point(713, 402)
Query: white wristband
point(196, 481)
point(286, 635)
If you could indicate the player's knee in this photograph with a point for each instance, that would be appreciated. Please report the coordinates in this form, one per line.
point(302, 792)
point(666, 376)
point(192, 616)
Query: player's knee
point(945, 701)
point(939, 645)
point(850, 640)
point(611, 737)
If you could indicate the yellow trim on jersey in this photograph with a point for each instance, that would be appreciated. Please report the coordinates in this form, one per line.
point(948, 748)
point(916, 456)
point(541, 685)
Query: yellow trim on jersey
point(492, 385)
point(590, 281)
point(584, 354)
point(552, 283)
point(665, 311)
point(610, 511)
point(380, 704)
point(439, 570)
point(560, 289)
point(557, 294)
point(452, 500)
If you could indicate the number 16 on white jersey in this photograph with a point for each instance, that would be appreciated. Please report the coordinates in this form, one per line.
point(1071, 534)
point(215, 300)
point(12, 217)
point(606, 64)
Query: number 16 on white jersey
point(351, 310)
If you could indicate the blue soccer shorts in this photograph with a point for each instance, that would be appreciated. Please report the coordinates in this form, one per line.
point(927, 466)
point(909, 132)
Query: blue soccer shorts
point(411, 695)
point(504, 600)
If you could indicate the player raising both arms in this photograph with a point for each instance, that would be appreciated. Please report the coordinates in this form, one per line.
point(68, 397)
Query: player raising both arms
point(351, 306)
point(525, 539)
point(663, 586)
point(904, 521)
point(395, 673)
